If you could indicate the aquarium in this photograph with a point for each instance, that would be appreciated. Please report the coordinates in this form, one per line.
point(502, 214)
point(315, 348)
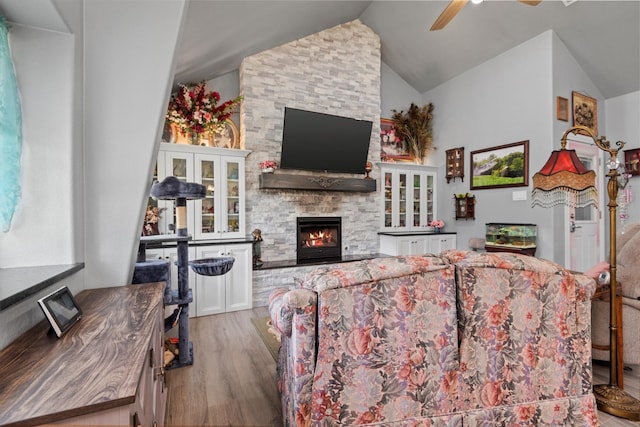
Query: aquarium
point(510, 236)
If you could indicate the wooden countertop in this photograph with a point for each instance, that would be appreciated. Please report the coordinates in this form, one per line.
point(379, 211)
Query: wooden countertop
point(95, 366)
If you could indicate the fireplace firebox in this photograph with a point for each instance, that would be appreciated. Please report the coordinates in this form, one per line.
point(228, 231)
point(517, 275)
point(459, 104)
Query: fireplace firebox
point(319, 238)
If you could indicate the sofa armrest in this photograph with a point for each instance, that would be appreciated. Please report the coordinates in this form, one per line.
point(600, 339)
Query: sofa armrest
point(293, 313)
point(284, 303)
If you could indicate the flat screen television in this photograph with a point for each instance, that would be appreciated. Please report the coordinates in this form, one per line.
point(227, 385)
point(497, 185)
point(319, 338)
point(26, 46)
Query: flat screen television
point(324, 142)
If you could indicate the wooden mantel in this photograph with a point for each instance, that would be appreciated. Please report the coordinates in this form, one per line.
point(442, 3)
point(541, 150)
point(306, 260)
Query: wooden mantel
point(282, 181)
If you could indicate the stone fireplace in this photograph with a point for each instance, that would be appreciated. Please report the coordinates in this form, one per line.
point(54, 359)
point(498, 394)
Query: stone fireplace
point(319, 238)
point(335, 71)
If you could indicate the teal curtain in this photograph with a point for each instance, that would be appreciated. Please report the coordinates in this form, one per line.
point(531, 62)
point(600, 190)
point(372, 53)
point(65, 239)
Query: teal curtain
point(10, 133)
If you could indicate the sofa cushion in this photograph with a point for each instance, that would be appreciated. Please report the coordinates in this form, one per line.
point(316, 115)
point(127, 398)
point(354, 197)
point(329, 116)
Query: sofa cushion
point(346, 274)
point(387, 347)
point(628, 269)
point(524, 330)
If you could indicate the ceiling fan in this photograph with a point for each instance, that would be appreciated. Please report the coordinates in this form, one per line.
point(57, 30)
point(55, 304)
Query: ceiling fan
point(456, 6)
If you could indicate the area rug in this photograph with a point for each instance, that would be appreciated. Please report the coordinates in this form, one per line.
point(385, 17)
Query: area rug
point(270, 336)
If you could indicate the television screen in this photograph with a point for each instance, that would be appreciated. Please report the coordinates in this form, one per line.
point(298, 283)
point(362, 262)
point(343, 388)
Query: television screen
point(324, 142)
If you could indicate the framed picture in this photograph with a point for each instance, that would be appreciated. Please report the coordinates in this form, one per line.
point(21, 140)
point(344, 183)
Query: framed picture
point(502, 166)
point(392, 148)
point(585, 111)
point(229, 137)
point(632, 161)
point(562, 109)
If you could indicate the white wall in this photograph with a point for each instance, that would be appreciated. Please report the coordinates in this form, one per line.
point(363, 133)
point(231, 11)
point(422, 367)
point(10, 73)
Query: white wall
point(623, 124)
point(504, 100)
point(43, 228)
point(129, 61)
point(395, 93)
point(569, 77)
point(93, 111)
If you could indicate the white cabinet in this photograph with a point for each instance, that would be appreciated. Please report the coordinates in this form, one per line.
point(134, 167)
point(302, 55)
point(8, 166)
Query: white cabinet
point(416, 244)
point(441, 242)
point(408, 196)
point(228, 292)
point(220, 215)
point(214, 294)
point(404, 245)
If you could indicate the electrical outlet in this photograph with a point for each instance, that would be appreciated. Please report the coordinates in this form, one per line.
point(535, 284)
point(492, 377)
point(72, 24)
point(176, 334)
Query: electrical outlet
point(519, 195)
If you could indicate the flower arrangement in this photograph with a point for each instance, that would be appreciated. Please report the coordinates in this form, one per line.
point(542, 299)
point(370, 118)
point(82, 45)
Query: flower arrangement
point(437, 223)
point(194, 110)
point(151, 217)
point(268, 164)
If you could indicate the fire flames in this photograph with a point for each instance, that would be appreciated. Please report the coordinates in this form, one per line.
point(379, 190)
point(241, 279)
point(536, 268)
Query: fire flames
point(319, 238)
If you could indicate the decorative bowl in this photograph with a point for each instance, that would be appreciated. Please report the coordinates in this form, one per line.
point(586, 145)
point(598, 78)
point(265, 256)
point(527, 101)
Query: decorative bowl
point(212, 266)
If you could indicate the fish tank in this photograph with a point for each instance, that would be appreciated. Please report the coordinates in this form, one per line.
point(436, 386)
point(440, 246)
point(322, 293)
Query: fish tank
point(505, 236)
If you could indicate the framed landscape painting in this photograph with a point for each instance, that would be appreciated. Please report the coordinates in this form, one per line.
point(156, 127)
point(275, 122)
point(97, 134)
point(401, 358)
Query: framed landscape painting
point(501, 166)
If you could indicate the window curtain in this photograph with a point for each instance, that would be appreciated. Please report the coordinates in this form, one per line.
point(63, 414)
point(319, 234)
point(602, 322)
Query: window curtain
point(10, 133)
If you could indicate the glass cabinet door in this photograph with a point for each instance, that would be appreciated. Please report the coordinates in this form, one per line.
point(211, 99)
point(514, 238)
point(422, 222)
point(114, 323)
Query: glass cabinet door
point(207, 209)
point(181, 166)
point(233, 197)
point(402, 199)
point(408, 197)
point(220, 214)
point(388, 200)
point(429, 197)
point(417, 200)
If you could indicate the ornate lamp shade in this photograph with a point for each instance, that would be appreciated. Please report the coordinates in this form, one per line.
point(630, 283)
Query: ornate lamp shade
point(564, 180)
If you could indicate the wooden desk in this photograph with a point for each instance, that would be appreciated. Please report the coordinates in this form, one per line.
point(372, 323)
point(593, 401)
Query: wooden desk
point(106, 370)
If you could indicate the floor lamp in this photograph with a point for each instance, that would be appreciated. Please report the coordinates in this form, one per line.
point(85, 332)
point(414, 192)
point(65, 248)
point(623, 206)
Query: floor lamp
point(565, 180)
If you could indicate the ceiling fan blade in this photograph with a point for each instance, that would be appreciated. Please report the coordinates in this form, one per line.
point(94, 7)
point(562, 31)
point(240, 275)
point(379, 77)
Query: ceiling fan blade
point(448, 14)
point(531, 2)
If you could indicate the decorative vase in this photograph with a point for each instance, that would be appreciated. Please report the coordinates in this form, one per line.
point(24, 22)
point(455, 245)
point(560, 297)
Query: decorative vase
point(436, 230)
point(267, 170)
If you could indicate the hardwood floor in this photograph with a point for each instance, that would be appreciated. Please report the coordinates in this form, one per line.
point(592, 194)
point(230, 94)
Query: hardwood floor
point(232, 380)
point(631, 386)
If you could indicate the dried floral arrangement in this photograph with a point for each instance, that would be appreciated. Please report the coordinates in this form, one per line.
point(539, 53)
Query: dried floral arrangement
point(415, 127)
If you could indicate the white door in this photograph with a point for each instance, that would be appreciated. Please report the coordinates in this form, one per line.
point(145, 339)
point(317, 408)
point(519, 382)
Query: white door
point(210, 290)
point(583, 226)
point(239, 295)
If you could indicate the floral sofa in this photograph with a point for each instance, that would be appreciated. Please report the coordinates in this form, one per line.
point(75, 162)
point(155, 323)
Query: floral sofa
point(460, 339)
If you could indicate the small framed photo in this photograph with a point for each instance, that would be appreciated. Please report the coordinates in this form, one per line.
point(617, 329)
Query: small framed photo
point(61, 310)
point(585, 111)
point(632, 161)
point(562, 109)
point(501, 166)
point(392, 148)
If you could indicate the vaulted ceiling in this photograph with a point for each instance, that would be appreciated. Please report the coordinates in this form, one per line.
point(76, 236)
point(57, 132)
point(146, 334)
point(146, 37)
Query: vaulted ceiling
point(603, 36)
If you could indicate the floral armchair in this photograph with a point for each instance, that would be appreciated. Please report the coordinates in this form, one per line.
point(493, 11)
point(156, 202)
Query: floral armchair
point(463, 338)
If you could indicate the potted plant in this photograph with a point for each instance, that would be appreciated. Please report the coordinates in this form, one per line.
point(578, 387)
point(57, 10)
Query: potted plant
point(415, 128)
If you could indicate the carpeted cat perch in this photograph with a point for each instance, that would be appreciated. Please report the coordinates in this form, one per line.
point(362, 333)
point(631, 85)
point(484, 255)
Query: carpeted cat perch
point(171, 188)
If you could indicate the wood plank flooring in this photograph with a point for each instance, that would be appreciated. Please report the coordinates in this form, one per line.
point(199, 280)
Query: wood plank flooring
point(232, 380)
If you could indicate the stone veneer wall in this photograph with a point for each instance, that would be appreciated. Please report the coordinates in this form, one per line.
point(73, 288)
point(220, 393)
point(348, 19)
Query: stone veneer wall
point(336, 71)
